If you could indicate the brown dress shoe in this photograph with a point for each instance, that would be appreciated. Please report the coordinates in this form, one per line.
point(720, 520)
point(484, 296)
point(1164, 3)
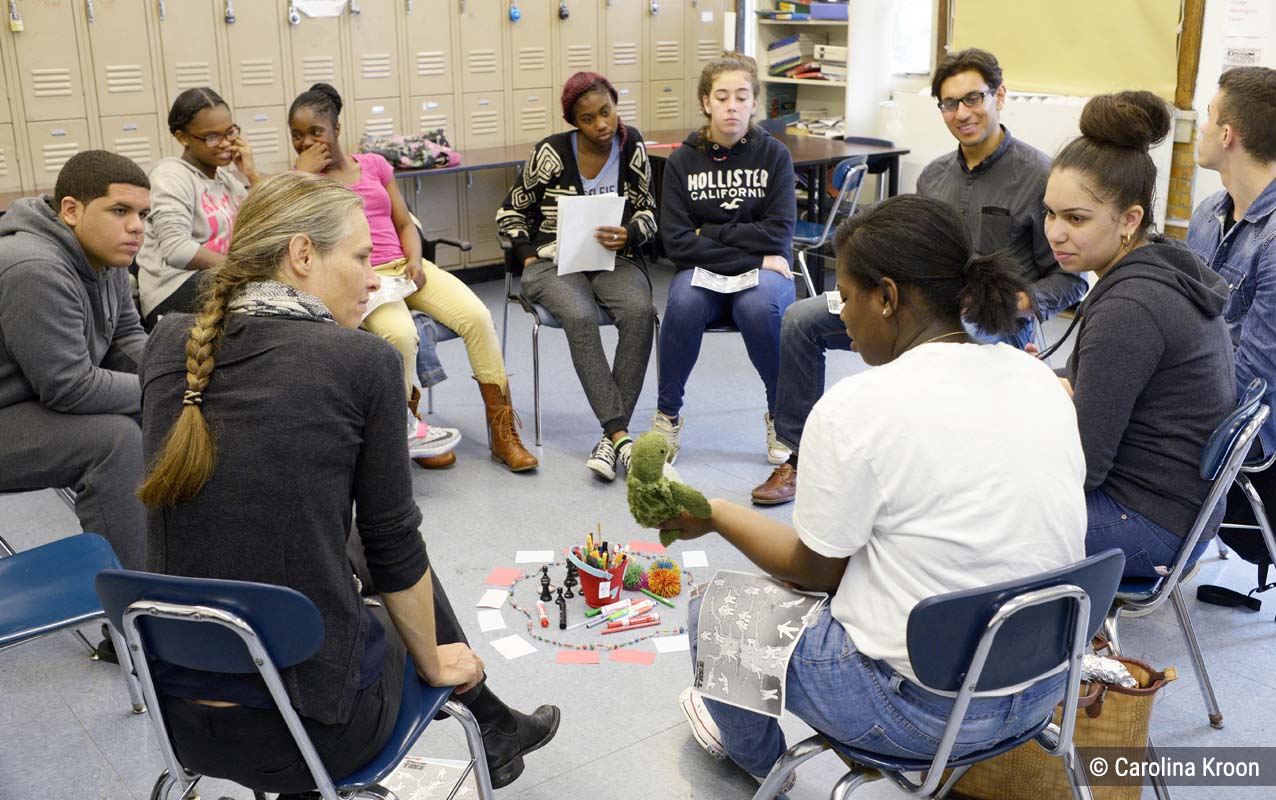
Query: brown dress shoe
point(777, 489)
point(441, 461)
point(503, 426)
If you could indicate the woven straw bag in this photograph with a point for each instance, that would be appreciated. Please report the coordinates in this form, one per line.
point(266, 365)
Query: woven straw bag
point(1107, 716)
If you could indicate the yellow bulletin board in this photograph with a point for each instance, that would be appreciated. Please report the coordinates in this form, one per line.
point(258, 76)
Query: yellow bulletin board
point(1077, 47)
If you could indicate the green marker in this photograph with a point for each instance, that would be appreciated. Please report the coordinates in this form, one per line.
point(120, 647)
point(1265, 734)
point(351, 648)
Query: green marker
point(657, 597)
point(592, 612)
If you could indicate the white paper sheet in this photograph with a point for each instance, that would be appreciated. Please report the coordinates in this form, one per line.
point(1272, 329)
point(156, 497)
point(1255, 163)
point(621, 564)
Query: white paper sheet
point(672, 644)
point(724, 284)
point(513, 647)
point(391, 289)
point(578, 216)
point(321, 8)
point(694, 558)
point(490, 619)
point(534, 557)
point(835, 302)
point(493, 598)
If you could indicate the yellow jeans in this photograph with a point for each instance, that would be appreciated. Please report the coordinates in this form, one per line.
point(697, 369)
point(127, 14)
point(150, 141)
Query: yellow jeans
point(449, 301)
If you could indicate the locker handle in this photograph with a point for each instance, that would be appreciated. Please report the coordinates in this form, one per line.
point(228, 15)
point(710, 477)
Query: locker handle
point(294, 16)
point(355, 8)
point(655, 7)
point(409, 2)
point(15, 17)
point(230, 12)
point(563, 11)
point(163, 11)
point(88, 7)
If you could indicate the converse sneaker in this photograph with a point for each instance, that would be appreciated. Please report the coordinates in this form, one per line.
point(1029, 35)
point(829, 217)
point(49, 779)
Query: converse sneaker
point(624, 452)
point(672, 433)
point(426, 440)
point(603, 460)
point(703, 729)
point(776, 453)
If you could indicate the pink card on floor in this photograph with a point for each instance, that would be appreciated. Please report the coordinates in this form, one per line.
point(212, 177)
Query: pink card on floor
point(647, 547)
point(643, 657)
point(577, 657)
point(503, 576)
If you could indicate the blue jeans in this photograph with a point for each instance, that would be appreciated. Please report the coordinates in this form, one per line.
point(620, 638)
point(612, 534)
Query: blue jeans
point(756, 312)
point(807, 332)
point(850, 698)
point(429, 368)
point(1146, 545)
point(1025, 335)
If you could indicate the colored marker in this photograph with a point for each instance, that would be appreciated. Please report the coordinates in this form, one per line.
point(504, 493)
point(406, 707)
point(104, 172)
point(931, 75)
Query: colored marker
point(540, 609)
point(630, 622)
point(657, 597)
point(610, 607)
point(631, 627)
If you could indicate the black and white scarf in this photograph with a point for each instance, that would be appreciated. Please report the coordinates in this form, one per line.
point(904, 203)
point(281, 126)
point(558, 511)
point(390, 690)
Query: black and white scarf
point(276, 299)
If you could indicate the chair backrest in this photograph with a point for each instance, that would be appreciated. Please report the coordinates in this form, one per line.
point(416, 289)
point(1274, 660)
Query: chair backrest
point(774, 126)
point(285, 621)
point(944, 631)
point(848, 177)
point(876, 164)
point(1223, 440)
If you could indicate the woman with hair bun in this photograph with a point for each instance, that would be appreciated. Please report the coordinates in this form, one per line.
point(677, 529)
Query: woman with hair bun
point(1151, 373)
point(907, 493)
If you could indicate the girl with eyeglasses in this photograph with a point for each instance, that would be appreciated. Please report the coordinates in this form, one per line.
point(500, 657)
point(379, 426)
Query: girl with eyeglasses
point(194, 200)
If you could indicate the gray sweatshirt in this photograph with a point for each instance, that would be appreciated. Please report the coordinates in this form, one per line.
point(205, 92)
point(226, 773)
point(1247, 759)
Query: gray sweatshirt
point(1152, 378)
point(70, 335)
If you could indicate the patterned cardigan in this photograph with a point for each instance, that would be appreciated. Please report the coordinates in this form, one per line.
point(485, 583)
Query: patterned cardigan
point(529, 215)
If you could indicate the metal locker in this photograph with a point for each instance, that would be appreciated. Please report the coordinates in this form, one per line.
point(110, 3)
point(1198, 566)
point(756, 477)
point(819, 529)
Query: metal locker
point(5, 114)
point(377, 118)
point(10, 180)
point(136, 137)
point(121, 58)
point(704, 37)
point(256, 61)
point(529, 43)
point(265, 128)
point(664, 39)
point(430, 54)
point(483, 195)
point(52, 145)
point(484, 120)
point(629, 104)
point(533, 115)
point(622, 39)
point(435, 113)
point(668, 106)
point(189, 48)
point(374, 44)
point(316, 54)
point(576, 41)
point(49, 69)
point(433, 198)
point(482, 53)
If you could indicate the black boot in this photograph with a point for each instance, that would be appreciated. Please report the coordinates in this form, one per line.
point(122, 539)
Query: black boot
point(508, 735)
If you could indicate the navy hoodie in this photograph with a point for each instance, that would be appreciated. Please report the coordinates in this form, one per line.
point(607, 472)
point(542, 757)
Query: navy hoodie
point(1152, 377)
point(741, 200)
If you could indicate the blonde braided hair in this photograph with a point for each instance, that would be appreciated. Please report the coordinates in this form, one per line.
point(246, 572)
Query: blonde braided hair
point(276, 211)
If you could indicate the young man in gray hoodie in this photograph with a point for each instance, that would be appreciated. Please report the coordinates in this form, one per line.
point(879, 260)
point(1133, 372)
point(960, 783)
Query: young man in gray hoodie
point(70, 343)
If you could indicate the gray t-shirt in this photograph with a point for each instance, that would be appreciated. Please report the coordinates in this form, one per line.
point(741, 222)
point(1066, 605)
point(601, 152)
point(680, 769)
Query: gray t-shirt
point(608, 178)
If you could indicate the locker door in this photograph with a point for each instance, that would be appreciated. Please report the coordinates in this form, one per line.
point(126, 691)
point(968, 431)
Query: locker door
point(265, 128)
point(10, 180)
point(434, 112)
point(136, 137)
point(576, 44)
point(430, 53)
point(703, 36)
point(630, 106)
point(484, 120)
point(5, 114)
point(49, 70)
point(256, 71)
point(622, 38)
point(668, 106)
point(530, 44)
point(316, 54)
point(190, 50)
point(377, 118)
point(482, 59)
point(374, 42)
point(533, 115)
point(434, 200)
point(53, 144)
point(664, 39)
point(482, 197)
point(121, 58)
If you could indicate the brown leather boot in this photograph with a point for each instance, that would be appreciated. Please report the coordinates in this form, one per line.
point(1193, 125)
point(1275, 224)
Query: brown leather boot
point(442, 460)
point(503, 424)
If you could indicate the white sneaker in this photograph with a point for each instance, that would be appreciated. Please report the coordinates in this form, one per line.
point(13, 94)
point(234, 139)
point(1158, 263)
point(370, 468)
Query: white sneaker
point(623, 454)
point(425, 440)
point(603, 460)
point(672, 433)
point(776, 452)
point(703, 729)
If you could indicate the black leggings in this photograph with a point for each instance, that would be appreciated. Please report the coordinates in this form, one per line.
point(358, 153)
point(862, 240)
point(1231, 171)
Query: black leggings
point(184, 299)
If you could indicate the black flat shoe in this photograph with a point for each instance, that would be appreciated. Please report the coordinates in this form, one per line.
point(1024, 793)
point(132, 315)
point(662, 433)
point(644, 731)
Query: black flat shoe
point(505, 751)
point(105, 650)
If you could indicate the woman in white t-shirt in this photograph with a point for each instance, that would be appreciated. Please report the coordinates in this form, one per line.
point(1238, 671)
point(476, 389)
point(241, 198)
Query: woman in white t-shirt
point(952, 465)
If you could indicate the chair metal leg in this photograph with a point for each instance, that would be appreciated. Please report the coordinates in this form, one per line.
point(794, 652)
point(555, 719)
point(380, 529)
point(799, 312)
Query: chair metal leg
point(164, 785)
point(536, 376)
point(657, 345)
point(1077, 779)
point(1223, 551)
point(806, 273)
point(1198, 660)
point(1159, 787)
point(474, 738)
point(87, 644)
point(126, 664)
point(786, 763)
point(429, 399)
point(1260, 514)
point(67, 497)
point(7, 550)
point(852, 781)
point(1110, 631)
point(953, 778)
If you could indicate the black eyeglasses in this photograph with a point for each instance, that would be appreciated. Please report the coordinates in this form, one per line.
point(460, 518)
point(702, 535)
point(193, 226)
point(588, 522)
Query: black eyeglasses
point(214, 139)
point(973, 100)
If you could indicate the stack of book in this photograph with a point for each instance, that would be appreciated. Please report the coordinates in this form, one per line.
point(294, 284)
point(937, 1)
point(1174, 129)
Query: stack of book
point(792, 56)
point(832, 61)
point(803, 11)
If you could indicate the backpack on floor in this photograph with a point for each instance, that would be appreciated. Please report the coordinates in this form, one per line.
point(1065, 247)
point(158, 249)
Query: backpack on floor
point(1249, 545)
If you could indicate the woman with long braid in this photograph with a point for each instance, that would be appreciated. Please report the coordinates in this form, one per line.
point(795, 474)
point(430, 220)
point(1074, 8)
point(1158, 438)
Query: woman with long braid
point(268, 418)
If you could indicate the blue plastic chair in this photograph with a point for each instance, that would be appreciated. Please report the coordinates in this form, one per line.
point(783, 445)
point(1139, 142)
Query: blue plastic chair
point(244, 628)
point(50, 588)
point(1221, 460)
point(808, 236)
point(979, 641)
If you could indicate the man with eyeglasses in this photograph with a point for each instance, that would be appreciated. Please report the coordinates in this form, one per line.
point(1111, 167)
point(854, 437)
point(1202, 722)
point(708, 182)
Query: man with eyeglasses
point(996, 183)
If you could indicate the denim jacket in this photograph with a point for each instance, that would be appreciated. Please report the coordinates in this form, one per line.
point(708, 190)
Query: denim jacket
point(1246, 258)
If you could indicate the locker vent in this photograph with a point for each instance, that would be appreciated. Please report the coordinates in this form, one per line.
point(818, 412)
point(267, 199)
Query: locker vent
point(124, 78)
point(52, 82)
point(485, 123)
point(192, 74)
point(482, 62)
point(55, 156)
point(375, 66)
point(137, 148)
point(318, 68)
point(628, 110)
point(383, 126)
point(430, 63)
point(668, 108)
point(4, 164)
point(262, 140)
point(431, 122)
point(668, 51)
point(531, 59)
point(486, 231)
point(624, 54)
point(707, 49)
point(533, 119)
point(257, 72)
point(580, 56)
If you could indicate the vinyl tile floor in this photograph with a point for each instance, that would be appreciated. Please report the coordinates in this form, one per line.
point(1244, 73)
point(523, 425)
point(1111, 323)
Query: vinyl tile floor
point(66, 731)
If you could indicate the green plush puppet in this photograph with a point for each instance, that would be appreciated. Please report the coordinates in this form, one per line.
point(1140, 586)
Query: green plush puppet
point(653, 497)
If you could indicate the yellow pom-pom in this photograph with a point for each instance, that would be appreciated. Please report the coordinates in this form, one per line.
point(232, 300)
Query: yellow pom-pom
point(664, 582)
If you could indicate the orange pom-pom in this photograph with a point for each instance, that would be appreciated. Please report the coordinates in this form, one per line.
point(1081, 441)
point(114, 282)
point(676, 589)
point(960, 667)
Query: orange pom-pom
point(665, 582)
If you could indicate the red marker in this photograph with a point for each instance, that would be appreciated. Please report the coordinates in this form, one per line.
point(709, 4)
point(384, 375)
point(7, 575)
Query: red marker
point(540, 609)
point(631, 627)
point(630, 622)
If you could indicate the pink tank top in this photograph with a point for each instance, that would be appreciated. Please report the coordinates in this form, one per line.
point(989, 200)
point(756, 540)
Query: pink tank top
point(377, 174)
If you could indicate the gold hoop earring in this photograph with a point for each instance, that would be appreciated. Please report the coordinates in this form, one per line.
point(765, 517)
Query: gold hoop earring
point(1126, 239)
